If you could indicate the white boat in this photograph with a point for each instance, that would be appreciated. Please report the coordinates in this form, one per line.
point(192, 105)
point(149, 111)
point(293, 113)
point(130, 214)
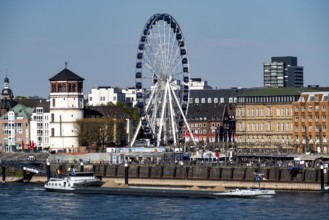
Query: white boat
point(252, 193)
point(72, 181)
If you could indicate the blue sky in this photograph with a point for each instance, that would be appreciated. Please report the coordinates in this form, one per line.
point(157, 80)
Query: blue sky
point(227, 41)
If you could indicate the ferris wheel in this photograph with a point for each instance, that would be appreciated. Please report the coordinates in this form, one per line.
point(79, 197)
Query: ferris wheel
point(162, 81)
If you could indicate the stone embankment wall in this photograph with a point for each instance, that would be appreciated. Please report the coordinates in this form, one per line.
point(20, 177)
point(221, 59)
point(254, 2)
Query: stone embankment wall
point(276, 177)
point(177, 175)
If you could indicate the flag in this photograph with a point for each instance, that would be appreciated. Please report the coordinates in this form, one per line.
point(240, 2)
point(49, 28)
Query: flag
point(23, 145)
point(31, 145)
point(187, 136)
point(196, 137)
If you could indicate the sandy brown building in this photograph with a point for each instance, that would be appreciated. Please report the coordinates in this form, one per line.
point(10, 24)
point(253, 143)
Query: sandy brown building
point(310, 120)
point(264, 120)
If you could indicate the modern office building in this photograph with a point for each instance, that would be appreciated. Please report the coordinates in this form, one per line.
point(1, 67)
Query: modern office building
point(283, 72)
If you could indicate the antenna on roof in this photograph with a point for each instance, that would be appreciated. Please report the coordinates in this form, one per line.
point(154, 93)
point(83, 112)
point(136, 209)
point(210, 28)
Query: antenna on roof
point(65, 64)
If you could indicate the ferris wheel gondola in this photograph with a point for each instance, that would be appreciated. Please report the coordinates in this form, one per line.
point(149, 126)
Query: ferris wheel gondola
point(162, 81)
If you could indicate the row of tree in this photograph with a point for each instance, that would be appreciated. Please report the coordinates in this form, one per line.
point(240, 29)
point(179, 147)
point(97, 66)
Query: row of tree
point(105, 131)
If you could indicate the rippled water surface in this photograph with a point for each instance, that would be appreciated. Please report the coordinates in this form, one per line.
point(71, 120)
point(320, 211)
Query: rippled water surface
point(31, 201)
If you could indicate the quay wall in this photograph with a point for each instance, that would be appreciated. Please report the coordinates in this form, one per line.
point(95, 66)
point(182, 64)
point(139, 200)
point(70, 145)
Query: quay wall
point(242, 177)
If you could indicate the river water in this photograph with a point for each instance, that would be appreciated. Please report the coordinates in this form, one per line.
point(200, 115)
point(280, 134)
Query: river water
point(31, 201)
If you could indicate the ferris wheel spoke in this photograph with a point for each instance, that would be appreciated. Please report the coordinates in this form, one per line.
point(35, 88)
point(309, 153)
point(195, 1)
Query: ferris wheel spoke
point(174, 66)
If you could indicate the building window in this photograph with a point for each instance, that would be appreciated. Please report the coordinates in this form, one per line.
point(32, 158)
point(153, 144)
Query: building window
point(269, 126)
point(203, 100)
point(209, 100)
point(310, 108)
point(317, 128)
point(196, 100)
point(52, 117)
point(52, 132)
point(53, 87)
point(215, 100)
point(324, 117)
point(323, 108)
point(54, 102)
point(288, 112)
point(282, 112)
point(316, 117)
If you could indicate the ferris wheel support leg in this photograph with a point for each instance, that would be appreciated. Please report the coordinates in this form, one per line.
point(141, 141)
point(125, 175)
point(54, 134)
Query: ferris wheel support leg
point(136, 133)
point(162, 114)
point(172, 117)
point(185, 121)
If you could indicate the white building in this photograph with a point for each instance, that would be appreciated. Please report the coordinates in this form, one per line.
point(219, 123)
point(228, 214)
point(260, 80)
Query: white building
point(198, 84)
point(39, 127)
point(105, 94)
point(130, 95)
point(66, 107)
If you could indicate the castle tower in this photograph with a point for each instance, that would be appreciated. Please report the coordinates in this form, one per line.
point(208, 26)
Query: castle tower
point(66, 107)
point(7, 101)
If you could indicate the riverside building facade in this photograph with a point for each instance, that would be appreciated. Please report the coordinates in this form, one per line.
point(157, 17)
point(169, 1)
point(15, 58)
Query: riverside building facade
point(15, 134)
point(264, 120)
point(310, 119)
